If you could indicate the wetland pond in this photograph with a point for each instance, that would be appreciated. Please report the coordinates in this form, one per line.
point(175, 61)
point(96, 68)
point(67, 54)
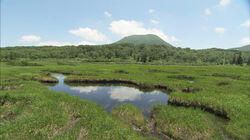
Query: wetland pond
point(109, 96)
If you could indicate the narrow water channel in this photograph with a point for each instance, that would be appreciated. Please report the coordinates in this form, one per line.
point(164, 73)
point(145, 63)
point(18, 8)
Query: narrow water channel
point(110, 96)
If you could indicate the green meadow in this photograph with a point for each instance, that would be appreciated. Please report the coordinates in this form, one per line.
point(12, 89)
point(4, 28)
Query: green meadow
point(206, 102)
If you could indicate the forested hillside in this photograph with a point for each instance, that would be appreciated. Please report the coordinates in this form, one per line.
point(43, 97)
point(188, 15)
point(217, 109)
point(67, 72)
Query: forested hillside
point(131, 53)
point(149, 39)
point(243, 48)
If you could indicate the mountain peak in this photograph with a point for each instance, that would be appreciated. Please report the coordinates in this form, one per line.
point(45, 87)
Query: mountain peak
point(149, 39)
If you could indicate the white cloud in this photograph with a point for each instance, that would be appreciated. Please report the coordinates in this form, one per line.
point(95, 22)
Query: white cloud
point(220, 30)
point(89, 34)
point(207, 11)
point(85, 43)
point(154, 21)
point(246, 24)
point(126, 28)
point(29, 39)
point(55, 43)
point(224, 2)
point(174, 39)
point(245, 41)
point(151, 11)
point(85, 89)
point(125, 94)
point(107, 14)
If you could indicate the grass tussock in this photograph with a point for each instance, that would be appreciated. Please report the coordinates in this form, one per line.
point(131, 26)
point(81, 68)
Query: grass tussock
point(121, 71)
point(186, 123)
point(182, 77)
point(222, 83)
point(130, 114)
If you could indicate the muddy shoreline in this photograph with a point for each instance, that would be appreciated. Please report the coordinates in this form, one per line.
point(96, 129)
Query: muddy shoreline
point(202, 107)
point(118, 81)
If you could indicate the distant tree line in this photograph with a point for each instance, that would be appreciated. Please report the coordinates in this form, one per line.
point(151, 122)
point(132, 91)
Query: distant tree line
point(129, 53)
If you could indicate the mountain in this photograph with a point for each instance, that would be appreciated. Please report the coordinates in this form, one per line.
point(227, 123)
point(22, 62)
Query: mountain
point(243, 48)
point(148, 39)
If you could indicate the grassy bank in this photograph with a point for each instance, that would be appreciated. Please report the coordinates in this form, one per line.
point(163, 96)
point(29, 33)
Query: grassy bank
point(186, 123)
point(33, 112)
point(28, 109)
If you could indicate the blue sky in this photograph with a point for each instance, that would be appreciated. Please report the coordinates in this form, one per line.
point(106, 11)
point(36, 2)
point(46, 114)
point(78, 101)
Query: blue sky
point(195, 24)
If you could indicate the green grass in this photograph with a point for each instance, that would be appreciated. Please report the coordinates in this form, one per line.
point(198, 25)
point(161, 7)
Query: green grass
point(186, 123)
point(131, 115)
point(30, 110)
point(34, 112)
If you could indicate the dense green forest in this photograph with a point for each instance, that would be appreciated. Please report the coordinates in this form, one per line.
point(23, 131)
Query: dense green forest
point(148, 39)
point(158, 54)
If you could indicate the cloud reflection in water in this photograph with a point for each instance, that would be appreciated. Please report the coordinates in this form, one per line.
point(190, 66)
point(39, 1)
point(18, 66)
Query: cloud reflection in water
point(125, 94)
point(85, 89)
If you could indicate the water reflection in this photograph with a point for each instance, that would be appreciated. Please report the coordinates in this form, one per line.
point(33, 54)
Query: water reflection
point(85, 89)
point(110, 96)
point(125, 94)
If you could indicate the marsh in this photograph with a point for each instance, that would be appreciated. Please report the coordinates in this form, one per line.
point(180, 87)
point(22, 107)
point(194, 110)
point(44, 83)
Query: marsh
point(109, 96)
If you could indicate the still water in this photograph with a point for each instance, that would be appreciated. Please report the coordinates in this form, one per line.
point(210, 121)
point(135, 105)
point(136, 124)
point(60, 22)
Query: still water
point(110, 96)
